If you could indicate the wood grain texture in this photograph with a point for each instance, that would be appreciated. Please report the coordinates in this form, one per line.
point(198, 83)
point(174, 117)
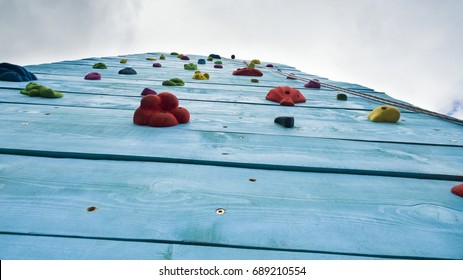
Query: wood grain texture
point(341, 214)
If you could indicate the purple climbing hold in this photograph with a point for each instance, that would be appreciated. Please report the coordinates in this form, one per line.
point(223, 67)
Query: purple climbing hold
point(270, 65)
point(185, 58)
point(93, 76)
point(313, 84)
point(148, 91)
point(157, 64)
point(218, 66)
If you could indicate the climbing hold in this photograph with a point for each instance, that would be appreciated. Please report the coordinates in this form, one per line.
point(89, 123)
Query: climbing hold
point(286, 96)
point(215, 56)
point(184, 57)
point(255, 61)
point(174, 53)
point(458, 190)
point(247, 72)
point(160, 111)
point(315, 83)
point(179, 55)
point(285, 121)
point(385, 113)
point(254, 80)
point(291, 77)
point(151, 58)
point(99, 65)
point(218, 62)
point(174, 82)
point(124, 60)
point(210, 58)
point(190, 66)
point(232, 56)
point(270, 65)
point(201, 61)
point(148, 91)
point(157, 64)
point(251, 65)
point(219, 66)
point(33, 89)
point(127, 71)
point(93, 76)
point(341, 96)
point(15, 73)
point(200, 76)
point(162, 57)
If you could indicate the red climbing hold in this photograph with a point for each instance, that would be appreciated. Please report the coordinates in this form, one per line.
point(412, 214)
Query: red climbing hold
point(160, 110)
point(247, 72)
point(286, 96)
point(458, 190)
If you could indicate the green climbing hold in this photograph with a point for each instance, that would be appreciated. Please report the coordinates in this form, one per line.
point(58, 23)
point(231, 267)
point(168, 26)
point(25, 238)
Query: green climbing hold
point(254, 80)
point(385, 113)
point(190, 66)
point(174, 53)
point(174, 82)
point(33, 89)
point(99, 65)
point(210, 58)
point(341, 96)
point(162, 57)
point(218, 62)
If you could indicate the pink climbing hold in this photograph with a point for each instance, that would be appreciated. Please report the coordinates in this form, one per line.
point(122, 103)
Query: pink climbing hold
point(313, 84)
point(458, 190)
point(160, 110)
point(93, 76)
point(286, 96)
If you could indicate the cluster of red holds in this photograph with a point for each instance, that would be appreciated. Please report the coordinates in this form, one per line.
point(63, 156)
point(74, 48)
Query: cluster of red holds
point(160, 110)
point(286, 96)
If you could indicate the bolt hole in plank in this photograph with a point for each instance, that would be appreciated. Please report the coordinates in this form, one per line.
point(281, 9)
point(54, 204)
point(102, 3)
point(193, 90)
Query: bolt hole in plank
point(220, 211)
point(91, 209)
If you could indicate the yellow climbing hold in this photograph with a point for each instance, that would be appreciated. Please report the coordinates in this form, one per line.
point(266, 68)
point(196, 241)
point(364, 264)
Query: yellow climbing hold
point(151, 58)
point(124, 60)
point(251, 65)
point(200, 76)
point(255, 61)
point(385, 113)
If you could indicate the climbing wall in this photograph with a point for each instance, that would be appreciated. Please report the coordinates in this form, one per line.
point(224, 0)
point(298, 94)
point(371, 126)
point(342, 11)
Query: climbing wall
point(171, 156)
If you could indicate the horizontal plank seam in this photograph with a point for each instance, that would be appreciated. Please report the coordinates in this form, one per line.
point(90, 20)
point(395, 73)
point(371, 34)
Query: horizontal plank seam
point(262, 166)
point(221, 245)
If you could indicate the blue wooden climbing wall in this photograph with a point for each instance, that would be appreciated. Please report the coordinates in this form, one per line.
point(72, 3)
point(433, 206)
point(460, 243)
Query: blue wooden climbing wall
point(79, 180)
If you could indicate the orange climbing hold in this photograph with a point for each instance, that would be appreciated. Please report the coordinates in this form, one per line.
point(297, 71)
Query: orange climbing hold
point(160, 110)
point(458, 190)
point(286, 96)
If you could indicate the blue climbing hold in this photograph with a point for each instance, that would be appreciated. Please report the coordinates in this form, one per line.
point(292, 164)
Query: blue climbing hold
point(15, 73)
point(201, 61)
point(215, 56)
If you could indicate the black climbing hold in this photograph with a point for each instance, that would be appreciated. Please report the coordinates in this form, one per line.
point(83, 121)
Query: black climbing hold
point(233, 56)
point(285, 121)
point(341, 96)
point(128, 71)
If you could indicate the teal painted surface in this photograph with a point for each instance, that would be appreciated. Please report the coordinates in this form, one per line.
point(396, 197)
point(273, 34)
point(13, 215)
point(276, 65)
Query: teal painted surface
point(336, 186)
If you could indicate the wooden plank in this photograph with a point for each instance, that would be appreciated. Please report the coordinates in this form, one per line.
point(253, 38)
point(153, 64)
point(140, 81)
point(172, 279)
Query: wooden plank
point(27, 247)
point(337, 214)
point(238, 118)
point(100, 133)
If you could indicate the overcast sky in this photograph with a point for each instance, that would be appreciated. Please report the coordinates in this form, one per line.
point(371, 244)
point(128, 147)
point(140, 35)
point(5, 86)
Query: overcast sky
point(410, 49)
